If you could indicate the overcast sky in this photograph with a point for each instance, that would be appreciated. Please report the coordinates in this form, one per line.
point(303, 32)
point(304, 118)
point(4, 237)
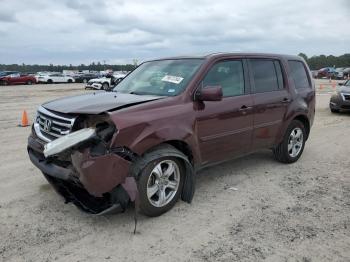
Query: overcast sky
point(82, 31)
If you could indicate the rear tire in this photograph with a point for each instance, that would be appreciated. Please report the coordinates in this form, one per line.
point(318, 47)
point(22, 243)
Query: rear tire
point(49, 81)
point(69, 81)
point(29, 82)
point(105, 86)
point(293, 143)
point(4, 83)
point(85, 81)
point(160, 183)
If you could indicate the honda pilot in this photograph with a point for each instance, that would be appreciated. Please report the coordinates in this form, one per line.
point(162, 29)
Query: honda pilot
point(145, 140)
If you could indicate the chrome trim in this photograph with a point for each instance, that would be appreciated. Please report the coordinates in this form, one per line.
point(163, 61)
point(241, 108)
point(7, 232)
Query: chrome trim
point(342, 95)
point(44, 114)
point(39, 134)
point(47, 112)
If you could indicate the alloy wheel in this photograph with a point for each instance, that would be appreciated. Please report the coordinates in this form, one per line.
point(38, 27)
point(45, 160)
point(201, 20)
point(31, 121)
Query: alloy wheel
point(295, 142)
point(163, 183)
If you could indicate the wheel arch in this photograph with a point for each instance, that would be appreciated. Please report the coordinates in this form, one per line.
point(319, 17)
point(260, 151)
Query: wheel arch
point(300, 117)
point(304, 119)
point(183, 147)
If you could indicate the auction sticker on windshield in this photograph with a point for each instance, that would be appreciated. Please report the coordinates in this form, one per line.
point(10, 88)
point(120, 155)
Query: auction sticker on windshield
point(172, 79)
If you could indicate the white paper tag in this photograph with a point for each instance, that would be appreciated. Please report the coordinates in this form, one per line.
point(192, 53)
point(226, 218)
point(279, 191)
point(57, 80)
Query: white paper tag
point(172, 79)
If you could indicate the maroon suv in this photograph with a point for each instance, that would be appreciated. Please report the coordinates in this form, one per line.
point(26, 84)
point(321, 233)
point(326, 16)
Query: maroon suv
point(145, 140)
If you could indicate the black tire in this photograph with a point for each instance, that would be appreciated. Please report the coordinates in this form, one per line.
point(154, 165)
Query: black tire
point(4, 83)
point(29, 82)
point(70, 81)
point(281, 153)
point(105, 86)
point(334, 110)
point(85, 80)
point(49, 81)
point(146, 207)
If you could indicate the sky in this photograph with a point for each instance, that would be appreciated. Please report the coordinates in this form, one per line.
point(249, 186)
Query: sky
point(119, 31)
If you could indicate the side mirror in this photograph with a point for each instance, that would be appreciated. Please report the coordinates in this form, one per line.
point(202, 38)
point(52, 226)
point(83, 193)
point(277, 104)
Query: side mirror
point(209, 93)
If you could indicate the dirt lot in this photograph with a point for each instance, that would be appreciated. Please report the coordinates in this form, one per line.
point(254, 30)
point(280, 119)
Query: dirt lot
point(249, 209)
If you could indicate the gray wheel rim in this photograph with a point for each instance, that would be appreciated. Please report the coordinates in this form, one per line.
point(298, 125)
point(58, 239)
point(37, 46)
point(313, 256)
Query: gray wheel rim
point(163, 183)
point(295, 142)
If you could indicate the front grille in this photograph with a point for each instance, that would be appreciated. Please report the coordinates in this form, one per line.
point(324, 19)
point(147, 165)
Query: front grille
point(52, 125)
point(346, 97)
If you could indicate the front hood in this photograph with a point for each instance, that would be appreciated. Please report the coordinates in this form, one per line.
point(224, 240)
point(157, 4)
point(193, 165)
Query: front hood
point(98, 79)
point(344, 89)
point(96, 103)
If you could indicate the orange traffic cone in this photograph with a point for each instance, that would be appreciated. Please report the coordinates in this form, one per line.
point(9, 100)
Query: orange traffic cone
point(24, 121)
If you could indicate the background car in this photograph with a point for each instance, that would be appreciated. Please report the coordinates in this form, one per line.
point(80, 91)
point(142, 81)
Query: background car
point(12, 78)
point(55, 78)
point(84, 78)
point(344, 74)
point(327, 72)
point(340, 100)
point(105, 83)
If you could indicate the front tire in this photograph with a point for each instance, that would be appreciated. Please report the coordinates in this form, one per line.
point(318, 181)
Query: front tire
point(334, 110)
point(105, 86)
point(49, 81)
point(29, 82)
point(293, 143)
point(160, 185)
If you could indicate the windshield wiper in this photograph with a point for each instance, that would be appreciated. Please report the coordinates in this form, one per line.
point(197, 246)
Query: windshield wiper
point(139, 93)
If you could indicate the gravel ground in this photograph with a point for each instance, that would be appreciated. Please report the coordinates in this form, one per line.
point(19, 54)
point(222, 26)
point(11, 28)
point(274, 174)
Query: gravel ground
point(248, 209)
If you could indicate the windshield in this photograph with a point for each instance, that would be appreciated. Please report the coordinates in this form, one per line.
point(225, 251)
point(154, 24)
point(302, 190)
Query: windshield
point(347, 83)
point(162, 78)
point(6, 73)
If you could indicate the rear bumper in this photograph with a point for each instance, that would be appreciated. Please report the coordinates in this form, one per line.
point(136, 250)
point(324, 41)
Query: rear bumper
point(97, 185)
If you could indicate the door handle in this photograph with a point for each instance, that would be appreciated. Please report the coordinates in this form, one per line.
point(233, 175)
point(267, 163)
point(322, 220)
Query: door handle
point(245, 108)
point(285, 100)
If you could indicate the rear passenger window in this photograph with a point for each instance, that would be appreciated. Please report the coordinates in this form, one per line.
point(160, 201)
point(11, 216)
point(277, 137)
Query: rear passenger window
point(298, 74)
point(267, 75)
point(227, 74)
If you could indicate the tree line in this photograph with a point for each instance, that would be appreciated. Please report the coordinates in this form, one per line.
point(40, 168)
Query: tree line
point(314, 62)
point(318, 62)
point(59, 68)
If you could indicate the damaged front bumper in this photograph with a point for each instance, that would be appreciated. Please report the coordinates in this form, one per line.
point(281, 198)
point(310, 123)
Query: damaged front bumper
point(98, 184)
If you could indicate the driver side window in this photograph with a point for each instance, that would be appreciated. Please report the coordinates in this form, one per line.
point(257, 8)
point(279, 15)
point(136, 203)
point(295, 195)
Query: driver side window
point(227, 74)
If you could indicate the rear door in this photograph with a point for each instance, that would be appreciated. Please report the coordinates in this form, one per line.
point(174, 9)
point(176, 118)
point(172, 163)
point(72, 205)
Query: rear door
point(270, 98)
point(224, 127)
point(61, 78)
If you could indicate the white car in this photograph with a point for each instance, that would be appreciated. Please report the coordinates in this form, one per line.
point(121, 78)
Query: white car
point(104, 83)
point(55, 78)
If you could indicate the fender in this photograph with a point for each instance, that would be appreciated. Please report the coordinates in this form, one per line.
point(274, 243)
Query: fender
point(288, 119)
point(147, 138)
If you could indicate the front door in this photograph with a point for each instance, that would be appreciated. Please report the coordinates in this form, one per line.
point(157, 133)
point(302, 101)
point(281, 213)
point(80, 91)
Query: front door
point(224, 127)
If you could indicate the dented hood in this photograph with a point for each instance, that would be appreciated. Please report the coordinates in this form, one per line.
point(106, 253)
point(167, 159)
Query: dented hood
point(97, 102)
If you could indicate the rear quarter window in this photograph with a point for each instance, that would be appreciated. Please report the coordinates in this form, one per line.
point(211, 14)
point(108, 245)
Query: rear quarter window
point(298, 74)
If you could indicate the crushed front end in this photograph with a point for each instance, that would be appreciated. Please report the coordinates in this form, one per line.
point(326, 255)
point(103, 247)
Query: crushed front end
point(75, 154)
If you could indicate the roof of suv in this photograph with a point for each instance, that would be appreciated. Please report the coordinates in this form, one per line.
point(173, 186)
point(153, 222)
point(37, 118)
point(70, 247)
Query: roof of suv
point(223, 55)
